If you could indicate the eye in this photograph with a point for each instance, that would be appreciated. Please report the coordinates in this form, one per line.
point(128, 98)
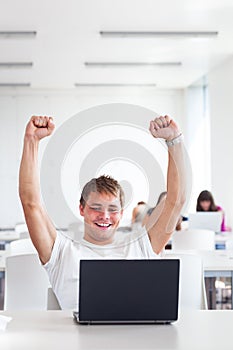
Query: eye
point(96, 208)
point(113, 210)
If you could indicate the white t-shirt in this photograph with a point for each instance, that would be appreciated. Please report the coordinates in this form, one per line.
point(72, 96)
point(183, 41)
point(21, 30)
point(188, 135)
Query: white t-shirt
point(63, 266)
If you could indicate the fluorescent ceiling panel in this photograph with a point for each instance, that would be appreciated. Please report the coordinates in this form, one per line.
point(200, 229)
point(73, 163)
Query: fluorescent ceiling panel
point(131, 64)
point(16, 64)
point(163, 34)
point(112, 85)
point(17, 34)
point(15, 84)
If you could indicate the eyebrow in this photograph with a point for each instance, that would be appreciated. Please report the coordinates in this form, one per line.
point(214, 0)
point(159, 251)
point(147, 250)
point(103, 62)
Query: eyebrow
point(100, 205)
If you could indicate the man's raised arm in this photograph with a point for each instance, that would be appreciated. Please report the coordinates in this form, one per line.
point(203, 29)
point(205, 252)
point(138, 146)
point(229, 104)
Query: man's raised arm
point(41, 229)
point(164, 218)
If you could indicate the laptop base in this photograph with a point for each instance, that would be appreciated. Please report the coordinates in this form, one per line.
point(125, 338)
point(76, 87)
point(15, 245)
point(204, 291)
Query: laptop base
point(133, 322)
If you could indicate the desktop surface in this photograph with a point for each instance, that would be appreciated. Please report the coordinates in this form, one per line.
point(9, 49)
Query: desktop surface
point(56, 329)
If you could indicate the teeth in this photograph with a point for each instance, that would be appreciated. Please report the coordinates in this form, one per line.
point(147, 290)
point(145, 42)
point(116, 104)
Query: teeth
point(103, 225)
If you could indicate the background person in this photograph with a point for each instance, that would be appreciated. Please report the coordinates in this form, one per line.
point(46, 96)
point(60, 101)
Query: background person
point(205, 202)
point(138, 215)
point(160, 200)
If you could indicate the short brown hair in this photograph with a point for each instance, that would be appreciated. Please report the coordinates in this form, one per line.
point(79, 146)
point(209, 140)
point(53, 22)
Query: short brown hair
point(102, 184)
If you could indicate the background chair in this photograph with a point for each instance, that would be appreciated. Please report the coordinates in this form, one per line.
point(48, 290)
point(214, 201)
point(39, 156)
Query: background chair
point(22, 230)
point(192, 293)
point(26, 283)
point(52, 302)
point(21, 246)
point(76, 231)
point(229, 244)
point(193, 240)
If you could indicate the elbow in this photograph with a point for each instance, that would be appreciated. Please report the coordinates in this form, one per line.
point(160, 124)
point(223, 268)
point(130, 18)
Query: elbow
point(28, 203)
point(183, 199)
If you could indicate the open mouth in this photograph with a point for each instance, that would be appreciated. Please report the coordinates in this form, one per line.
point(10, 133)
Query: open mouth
point(103, 226)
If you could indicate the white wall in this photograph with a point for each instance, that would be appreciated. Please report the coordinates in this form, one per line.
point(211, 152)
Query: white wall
point(17, 106)
point(197, 136)
point(220, 82)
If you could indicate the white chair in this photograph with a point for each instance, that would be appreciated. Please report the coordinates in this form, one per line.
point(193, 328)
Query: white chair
point(52, 302)
point(76, 230)
point(22, 230)
point(21, 246)
point(192, 293)
point(193, 240)
point(229, 244)
point(26, 283)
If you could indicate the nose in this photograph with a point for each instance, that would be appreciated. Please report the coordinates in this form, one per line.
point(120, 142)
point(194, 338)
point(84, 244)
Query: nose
point(105, 214)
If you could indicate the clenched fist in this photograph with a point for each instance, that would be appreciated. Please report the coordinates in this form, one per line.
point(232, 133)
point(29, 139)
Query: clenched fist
point(164, 127)
point(39, 127)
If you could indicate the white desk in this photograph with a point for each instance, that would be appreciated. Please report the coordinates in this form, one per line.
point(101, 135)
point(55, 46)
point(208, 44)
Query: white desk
point(221, 238)
point(205, 330)
point(217, 260)
point(8, 236)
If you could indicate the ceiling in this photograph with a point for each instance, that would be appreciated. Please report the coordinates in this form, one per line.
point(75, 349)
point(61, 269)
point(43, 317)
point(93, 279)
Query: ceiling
point(68, 35)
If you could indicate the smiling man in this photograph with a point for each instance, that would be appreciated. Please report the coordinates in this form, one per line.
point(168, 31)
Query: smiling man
point(101, 205)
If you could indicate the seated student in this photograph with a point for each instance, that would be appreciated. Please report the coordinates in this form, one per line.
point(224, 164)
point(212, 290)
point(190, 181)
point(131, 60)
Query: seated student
point(101, 205)
point(205, 202)
point(138, 215)
point(160, 200)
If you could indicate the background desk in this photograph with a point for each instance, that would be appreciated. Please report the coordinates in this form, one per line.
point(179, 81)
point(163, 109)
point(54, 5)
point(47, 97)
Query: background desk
point(8, 236)
point(218, 263)
point(205, 330)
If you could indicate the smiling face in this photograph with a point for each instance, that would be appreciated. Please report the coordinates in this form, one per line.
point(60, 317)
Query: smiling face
point(102, 214)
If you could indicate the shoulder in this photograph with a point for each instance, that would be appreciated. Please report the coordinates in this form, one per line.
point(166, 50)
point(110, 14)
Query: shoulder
point(219, 208)
point(62, 246)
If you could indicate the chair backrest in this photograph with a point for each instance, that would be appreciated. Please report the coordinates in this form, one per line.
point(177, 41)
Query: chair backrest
point(26, 283)
point(193, 240)
point(229, 244)
point(21, 246)
point(21, 227)
point(192, 293)
point(76, 229)
point(52, 302)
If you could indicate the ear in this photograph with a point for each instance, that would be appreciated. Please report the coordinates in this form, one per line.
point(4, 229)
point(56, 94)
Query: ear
point(81, 210)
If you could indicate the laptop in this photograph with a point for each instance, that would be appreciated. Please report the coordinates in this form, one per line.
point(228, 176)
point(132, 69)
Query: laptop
point(128, 291)
point(206, 221)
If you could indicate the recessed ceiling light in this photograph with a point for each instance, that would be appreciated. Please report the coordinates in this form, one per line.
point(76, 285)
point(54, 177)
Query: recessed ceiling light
point(131, 64)
point(15, 84)
point(112, 85)
point(7, 34)
point(16, 64)
point(163, 34)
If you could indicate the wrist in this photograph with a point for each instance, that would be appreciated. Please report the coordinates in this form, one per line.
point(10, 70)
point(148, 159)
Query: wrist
point(175, 135)
point(31, 140)
point(173, 141)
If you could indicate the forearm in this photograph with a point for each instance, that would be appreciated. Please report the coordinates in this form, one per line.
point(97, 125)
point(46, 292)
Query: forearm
point(176, 184)
point(176, 174)
point(29, 185)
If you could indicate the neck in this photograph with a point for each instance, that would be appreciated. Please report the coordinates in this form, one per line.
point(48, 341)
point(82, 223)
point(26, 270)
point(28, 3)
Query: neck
point(97, 242)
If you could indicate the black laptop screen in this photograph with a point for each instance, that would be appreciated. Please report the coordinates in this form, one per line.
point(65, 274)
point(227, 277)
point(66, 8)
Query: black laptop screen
point(128, 290)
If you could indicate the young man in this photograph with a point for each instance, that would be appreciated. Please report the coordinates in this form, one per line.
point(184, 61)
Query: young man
point(101, 205)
